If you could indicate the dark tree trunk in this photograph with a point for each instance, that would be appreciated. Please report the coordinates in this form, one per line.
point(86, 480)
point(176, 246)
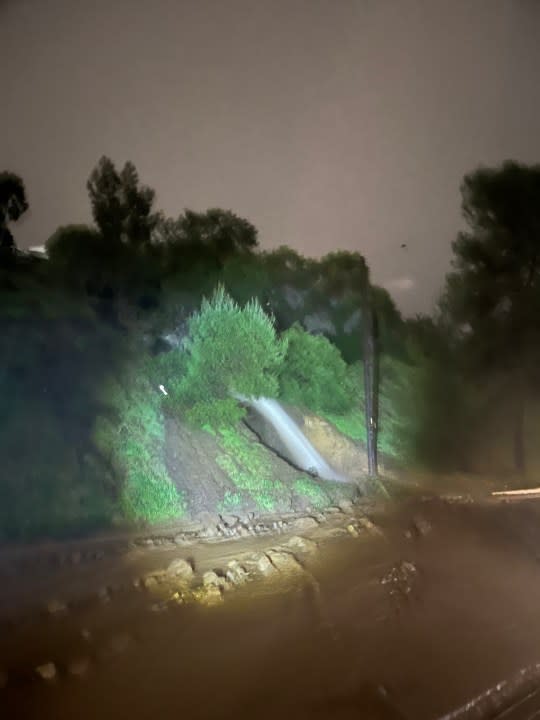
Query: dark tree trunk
point(519, 432)
point(370, 387)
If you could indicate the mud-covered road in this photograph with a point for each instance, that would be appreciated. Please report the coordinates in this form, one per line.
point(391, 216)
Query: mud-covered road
point(409, 624)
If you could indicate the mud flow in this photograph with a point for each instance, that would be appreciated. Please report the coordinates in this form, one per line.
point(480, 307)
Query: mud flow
point(430, 611)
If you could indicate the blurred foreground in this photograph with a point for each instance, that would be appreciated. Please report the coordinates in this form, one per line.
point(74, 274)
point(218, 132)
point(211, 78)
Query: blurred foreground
point(411, 623)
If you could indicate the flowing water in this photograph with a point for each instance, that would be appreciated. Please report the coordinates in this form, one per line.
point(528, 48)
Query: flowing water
point(301, 450)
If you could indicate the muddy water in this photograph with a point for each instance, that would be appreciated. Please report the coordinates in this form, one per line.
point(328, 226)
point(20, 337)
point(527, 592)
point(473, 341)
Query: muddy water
point(457, 612)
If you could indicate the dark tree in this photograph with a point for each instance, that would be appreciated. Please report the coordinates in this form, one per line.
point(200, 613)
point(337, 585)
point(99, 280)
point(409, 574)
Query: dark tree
point(13, 204)
point(122, 208)
point(208, 238)
point(493, 294)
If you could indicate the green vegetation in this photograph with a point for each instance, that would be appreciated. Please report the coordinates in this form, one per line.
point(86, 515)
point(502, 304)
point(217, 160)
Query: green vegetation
point(230, 351)
point(246, 463)
point(314, 374)
point(131, 438)
point(90, 335)
point(307, 487)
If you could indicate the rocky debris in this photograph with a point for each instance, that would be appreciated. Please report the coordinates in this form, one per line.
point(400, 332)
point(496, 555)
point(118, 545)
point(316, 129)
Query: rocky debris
point(353, 531)
point(369, 526)
point(258, 562)
point(333, 510)
point(421, 526)
point(182, 540)
point(180, 570)
point(150, 582)
point(304, 524)
point(47, 671)
point(78, 666)
point(301, 544)
point(326, 533)
point(346, 507)
point(236, 574)
point(211, 578)
point(3, 679)
point(400, 579)
point(284, 561)
point(55, 607)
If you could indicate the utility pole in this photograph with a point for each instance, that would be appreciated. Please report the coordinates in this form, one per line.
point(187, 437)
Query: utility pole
point(370, 381)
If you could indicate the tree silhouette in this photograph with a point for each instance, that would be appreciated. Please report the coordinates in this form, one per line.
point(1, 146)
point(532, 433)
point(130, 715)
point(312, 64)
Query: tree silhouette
point(493, 295)
point(13, 204)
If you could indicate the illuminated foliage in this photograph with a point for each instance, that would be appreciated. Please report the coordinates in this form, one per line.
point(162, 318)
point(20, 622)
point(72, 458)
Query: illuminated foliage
point(131, 437)
point(314, 374)
point(231, 350)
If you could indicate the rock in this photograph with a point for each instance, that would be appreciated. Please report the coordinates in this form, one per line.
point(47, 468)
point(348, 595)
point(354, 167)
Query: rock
point(331, 533)
point(182, 541)
point(353, 531)
point(209, 532)
point(346, 507)
point(371, 527)
point(236, 573)
point(150, 582)
point(209, 595)
point(333, 511)
point(229, 520)
point(284, 561)
point(243, 531)
point(260, 562)
point(55, 607)
point(301, 544)
point(78, 666)
point(304, 524)
point(181, 570)
point(212, 579)
point(3, 679)
point(46, 671)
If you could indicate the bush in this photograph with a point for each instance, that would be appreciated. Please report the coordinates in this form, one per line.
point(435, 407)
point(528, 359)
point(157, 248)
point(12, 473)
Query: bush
point(132, 438)
point(230, 351)
point(314, 374)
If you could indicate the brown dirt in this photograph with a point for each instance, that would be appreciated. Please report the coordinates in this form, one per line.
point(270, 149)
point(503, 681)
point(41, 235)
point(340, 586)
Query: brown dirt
point(458, 614)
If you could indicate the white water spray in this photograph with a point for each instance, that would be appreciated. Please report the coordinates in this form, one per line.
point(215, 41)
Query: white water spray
point(301, 450)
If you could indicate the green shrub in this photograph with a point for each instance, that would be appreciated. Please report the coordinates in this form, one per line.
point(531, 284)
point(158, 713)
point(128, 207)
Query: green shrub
point(230, 350)
point(132, 438)
point(314, 374)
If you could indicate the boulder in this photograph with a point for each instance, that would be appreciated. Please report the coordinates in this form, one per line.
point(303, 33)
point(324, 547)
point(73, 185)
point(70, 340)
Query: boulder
point(284, 561)
point(301, 544)
point(303, 524)
point(346, 507)
point(47, 671)
point(236, 574)
point(180, 569)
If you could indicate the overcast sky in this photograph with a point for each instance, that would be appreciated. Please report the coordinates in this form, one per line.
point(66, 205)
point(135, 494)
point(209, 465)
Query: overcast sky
point(338, 124)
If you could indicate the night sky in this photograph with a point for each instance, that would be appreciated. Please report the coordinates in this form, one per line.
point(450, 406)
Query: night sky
point(328, 124)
